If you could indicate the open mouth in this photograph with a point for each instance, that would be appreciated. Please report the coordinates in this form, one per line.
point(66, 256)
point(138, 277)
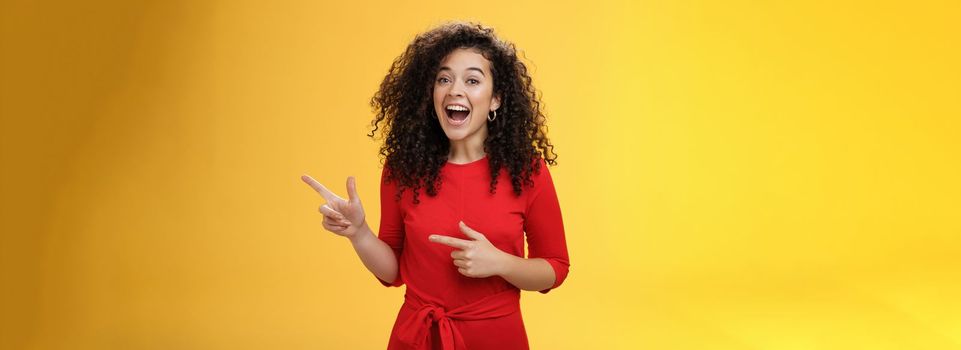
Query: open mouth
point(457, 114)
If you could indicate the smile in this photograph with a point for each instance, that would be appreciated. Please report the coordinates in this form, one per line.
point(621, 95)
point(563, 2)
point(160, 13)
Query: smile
point(457, 114)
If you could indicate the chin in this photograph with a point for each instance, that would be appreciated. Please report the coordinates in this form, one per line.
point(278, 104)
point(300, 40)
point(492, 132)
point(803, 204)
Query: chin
point(456, 135)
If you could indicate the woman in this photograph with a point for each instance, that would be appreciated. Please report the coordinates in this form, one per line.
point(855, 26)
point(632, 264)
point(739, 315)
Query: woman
point(462, 124)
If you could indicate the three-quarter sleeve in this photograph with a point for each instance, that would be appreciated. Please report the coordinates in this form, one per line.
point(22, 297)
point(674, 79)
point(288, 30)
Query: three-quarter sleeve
point(544, 226)
point(391, 224)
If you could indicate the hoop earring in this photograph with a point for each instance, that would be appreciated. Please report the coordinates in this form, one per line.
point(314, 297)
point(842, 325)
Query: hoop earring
point(489, 116)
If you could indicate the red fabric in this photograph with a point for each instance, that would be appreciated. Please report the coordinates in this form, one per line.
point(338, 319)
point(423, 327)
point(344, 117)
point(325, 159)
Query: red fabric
point(444, 309)
point(415, 330)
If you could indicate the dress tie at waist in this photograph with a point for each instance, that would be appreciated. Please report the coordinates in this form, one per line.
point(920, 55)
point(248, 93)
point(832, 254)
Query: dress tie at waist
point(415, 330)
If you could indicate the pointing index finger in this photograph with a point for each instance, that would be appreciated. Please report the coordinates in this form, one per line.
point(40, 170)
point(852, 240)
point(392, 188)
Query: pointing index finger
point(323, 191)
point(450, 241)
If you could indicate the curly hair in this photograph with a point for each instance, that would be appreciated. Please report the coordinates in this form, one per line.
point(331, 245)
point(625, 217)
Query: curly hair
point(415, 146)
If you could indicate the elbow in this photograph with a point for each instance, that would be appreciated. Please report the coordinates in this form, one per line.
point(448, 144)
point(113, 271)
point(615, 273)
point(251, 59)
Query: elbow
point(561, 268)
point(389, 281)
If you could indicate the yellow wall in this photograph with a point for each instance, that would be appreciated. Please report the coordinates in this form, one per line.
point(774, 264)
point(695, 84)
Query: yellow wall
point(733, 174)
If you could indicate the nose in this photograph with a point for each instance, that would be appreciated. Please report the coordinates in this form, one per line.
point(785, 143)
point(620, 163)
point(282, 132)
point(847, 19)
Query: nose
point(456, 90)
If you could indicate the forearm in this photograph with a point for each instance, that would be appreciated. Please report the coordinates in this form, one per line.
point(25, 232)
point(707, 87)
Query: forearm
point(376, 255)
point(528, 274)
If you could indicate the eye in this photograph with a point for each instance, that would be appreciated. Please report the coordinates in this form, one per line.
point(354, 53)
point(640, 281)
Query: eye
point(443, 80)
point(473, 81)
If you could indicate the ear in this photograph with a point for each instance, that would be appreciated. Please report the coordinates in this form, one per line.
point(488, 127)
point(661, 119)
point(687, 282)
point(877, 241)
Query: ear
point(495, 102)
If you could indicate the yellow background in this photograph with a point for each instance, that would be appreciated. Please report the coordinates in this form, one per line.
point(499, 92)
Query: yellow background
point(733, 174)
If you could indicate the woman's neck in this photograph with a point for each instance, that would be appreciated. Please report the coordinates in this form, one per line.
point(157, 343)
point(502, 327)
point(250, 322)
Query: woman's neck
point(465, 151)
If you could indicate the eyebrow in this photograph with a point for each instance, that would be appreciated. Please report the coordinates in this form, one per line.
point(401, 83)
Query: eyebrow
point(468, 68)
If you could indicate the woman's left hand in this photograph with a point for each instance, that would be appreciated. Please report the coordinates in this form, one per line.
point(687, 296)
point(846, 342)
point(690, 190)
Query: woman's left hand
point(478, 257)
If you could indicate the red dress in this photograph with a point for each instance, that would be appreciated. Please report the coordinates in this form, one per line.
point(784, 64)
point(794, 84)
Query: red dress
point(442, 308)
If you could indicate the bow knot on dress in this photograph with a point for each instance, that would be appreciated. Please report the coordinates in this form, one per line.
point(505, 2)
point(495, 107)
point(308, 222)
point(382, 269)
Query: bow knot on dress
point(417, 327)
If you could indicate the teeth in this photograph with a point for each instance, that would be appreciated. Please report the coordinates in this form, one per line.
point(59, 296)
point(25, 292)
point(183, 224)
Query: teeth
point(456, 108)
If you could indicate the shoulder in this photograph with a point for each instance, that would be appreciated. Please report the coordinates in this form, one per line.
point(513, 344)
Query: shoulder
point(540, 176)
point(386, 174)
point(539, 170)
point(542, 191)
point(387, 182)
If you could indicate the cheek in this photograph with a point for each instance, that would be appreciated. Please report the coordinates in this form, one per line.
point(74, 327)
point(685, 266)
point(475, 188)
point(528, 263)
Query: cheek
point(480, 99)
point(484, 98)
point(439, 92)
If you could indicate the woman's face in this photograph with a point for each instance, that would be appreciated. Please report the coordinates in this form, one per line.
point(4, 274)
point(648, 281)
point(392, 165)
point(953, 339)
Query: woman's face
point(464, 95)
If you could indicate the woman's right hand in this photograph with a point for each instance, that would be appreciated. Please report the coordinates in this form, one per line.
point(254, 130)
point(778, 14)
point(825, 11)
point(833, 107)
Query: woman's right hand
point(342, 217)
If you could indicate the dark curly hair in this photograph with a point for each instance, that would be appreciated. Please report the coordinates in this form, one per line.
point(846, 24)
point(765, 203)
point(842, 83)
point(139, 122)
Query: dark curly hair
point(415, 146)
